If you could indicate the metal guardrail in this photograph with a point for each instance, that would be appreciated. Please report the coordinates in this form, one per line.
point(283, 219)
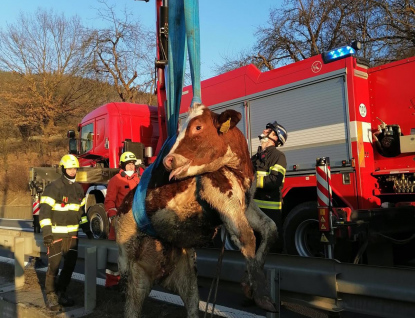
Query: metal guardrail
point(320, 283)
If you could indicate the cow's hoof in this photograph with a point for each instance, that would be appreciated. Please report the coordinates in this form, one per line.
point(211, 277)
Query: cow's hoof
point(266, 304)
point(247, 290)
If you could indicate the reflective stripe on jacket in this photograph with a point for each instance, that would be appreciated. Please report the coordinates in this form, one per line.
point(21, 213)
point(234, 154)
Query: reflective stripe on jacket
point(270, 166)
point(62, 208)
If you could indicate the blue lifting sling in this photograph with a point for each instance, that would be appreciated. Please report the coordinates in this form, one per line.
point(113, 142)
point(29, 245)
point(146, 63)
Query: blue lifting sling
point(183, 32)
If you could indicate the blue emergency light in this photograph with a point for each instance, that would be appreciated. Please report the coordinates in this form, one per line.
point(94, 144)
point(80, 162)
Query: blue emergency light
point(338, 53)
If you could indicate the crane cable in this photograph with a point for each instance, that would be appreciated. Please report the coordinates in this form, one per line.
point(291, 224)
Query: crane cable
point(184, 32)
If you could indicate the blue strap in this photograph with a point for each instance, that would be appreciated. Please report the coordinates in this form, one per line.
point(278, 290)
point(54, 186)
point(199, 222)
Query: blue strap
point(183, 29)
point(139, 208)
point(191, 13)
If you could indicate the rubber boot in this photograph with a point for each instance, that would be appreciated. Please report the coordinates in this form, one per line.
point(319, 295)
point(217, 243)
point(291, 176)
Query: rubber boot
point(112, 281)
point(65, 300)
point(111, 234)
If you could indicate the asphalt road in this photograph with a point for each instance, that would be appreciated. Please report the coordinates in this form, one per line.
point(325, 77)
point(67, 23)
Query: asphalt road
point(229, 295)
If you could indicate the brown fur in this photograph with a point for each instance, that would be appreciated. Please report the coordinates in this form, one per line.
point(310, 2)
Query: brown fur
point(213, 185)
point(145, 261)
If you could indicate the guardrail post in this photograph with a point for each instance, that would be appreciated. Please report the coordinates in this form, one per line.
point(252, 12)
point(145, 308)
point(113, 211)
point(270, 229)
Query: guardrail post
point(90, 278)
point(273, 277)
point(19, 262)
point(102, 256)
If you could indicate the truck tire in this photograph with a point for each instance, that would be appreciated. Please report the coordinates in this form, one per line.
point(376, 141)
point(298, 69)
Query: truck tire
point(301, 231)
point(98, 221)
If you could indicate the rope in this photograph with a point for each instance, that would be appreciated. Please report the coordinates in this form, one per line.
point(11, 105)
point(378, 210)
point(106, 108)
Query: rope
point(215, 282)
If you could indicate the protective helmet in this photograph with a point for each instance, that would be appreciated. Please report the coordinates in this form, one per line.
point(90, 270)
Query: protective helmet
point(127, 157)
point(69, 161)
point(280, 131)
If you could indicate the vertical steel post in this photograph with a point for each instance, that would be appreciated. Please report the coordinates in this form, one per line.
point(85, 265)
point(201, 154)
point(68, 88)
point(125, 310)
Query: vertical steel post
point(102, 257)
point(19, 262)
point(273, 277)
point(324, 204)
point(90, 278)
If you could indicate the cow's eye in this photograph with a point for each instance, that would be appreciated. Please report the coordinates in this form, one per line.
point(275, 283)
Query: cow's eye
point(198, 127)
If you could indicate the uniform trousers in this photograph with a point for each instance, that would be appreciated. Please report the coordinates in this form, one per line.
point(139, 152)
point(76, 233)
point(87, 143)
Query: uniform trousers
point(67, 248)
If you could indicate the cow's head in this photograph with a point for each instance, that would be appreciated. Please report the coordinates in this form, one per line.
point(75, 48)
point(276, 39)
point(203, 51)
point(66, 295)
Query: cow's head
point(206, 143)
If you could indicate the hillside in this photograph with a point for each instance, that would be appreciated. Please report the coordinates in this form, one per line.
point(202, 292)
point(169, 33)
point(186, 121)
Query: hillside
point(17, 157)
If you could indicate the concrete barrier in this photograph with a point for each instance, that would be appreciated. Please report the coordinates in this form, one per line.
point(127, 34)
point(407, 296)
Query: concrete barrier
point(16, 212)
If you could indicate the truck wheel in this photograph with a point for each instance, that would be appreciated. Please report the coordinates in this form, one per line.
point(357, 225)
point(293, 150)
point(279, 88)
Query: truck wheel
point(98, 221)
point(301, 231)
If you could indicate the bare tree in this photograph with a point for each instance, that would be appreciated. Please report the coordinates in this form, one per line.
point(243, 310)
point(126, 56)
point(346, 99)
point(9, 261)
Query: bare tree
point(304, 28)
point(124, 55)
point(395, 30)
point(47, 51)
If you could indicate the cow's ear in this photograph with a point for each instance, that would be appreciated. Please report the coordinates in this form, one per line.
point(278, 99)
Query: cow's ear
point(228, 119)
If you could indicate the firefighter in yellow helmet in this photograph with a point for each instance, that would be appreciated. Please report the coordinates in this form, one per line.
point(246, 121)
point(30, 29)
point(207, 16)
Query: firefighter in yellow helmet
point(61, 214)
point(118, 187)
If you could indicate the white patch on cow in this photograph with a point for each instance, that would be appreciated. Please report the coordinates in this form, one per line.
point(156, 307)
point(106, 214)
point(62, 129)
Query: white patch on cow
point(196, 110)
point(230, 205)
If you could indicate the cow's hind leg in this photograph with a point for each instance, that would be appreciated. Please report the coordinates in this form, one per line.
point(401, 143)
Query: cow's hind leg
point(138, 288)
point(183, 280)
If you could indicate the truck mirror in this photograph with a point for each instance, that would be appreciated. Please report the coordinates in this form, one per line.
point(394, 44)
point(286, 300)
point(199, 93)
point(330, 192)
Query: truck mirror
point(73, 149)
point(70, 134)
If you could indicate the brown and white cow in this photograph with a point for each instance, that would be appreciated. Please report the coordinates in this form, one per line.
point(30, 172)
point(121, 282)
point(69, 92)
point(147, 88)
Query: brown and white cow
point(207, 180)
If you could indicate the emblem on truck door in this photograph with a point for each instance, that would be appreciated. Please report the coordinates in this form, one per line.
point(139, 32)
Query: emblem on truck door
point(316, 67)
point(362, 110)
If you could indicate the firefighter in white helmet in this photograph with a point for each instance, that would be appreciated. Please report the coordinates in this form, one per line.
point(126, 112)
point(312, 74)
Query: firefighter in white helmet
point(118, 187)
point(270, 165)
point(61, 214)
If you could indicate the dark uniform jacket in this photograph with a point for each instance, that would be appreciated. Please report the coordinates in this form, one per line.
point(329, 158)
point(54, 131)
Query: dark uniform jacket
point(270, 166)
point(62, 209)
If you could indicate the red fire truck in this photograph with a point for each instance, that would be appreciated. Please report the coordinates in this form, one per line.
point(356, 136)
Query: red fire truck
point(331, 105)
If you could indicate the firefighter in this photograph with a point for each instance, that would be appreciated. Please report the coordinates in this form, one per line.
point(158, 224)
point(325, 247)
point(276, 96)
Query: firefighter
point(61, 213)
point(269, 165)
point(118, 187)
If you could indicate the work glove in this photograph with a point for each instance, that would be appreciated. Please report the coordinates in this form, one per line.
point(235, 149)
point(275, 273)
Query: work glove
point(48, 240)
point(111, 213)
point(89, 235)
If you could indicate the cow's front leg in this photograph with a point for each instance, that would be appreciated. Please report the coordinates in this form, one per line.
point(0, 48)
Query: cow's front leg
point(229, 200)
point(138, 288)
point(263, 225)
point(183, 280)
point(223, 192)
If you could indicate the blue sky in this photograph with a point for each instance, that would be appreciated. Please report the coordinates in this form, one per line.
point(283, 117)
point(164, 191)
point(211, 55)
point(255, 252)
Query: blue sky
point(226, 26)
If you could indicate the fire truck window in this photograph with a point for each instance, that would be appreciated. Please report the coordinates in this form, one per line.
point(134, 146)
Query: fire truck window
point(87, 140)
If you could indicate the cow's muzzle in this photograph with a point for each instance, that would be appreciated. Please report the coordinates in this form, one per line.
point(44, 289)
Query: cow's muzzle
point(177, 164)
